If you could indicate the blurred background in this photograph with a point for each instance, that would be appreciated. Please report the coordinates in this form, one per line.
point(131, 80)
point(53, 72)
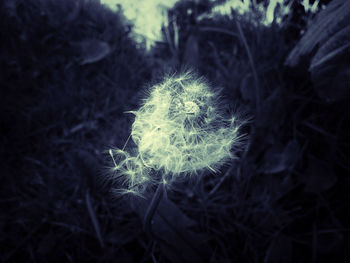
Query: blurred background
point(70, 69)
point(147, 17)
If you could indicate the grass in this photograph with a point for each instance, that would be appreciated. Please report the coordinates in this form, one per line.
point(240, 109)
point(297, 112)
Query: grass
point(69, 71)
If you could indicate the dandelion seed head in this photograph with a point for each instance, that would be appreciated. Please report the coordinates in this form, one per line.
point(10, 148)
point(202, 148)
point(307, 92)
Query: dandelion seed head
point(178, 130)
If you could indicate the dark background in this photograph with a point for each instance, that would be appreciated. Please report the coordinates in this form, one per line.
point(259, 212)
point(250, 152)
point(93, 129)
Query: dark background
point(69, 71)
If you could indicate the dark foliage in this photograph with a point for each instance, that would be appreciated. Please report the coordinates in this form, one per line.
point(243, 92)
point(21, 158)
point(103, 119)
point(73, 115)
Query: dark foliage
point(69, 70)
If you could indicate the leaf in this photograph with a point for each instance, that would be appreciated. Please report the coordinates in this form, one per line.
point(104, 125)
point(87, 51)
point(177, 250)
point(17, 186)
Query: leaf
point(326, 24)
point(272, 109)
point(171, 226)
point(335, 46)
point(327, 40)
point(92, 50)
point(330, 67)
point(278, 159)
point(332, 80)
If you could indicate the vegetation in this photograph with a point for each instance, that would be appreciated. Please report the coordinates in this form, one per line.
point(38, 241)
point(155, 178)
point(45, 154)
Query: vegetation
point(69, 71)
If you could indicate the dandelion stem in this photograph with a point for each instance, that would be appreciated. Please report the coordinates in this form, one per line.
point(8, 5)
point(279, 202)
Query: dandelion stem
point(152, 209)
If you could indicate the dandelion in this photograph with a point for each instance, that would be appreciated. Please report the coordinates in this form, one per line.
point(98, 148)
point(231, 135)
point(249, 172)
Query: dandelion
point(178, 130)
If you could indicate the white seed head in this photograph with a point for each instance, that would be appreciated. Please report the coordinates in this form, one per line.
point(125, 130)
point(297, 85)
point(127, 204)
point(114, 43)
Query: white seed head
point(178, 131)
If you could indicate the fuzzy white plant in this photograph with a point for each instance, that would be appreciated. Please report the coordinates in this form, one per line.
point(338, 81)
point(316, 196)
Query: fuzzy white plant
point(179, 130)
